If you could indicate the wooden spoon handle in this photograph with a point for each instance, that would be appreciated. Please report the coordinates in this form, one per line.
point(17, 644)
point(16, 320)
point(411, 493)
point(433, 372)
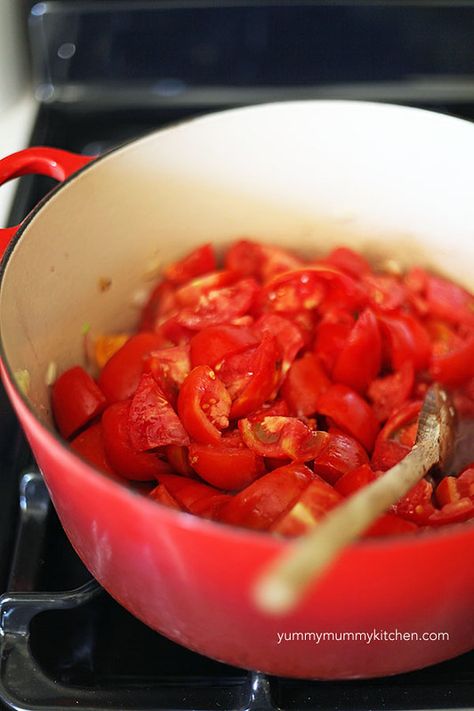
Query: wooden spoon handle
point(284, 582)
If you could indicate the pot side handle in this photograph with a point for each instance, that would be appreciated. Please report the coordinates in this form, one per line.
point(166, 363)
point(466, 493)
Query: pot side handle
point(53, 162)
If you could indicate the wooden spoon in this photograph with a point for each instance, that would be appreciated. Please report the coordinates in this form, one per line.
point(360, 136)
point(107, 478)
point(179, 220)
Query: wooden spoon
point(282, 585)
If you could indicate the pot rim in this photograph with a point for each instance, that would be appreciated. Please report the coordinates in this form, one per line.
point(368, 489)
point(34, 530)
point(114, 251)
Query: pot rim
point(185, 519)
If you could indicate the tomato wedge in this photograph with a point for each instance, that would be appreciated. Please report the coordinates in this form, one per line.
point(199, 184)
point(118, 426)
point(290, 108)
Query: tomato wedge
point(193, 496)
point(397, 436)
point(331, 337)
point(351, 413)
point(170, 367)
point(356, 479)
point(407, 340)
point(76, 399)
point(288, 336)
point(261, 503)
point(122, 457)
point(449, 301)
point(282, 437)
point(161, 494)
point(226, 466)
point(200, 261)
point(178, 459)
point(204, 405)
point(417, 505)
point(340, 455)
point(214, 343)
point(121, 374)
point(152, 421)
point(245, 258)
point(219, 305)
point(392, 391)
point(455, 368)
point(360, 359)
point(348, 261)
point(316, 500)
point(89, 444)
point(304, 384)
point(262, 380)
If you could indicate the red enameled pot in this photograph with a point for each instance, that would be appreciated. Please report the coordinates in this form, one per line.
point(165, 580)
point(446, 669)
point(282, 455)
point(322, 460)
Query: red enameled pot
point(385, 179)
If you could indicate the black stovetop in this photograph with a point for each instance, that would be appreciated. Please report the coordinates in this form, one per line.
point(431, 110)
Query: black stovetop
point(75, 647)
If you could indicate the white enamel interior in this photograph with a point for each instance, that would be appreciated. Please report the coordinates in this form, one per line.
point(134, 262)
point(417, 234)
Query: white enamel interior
point(390, 180)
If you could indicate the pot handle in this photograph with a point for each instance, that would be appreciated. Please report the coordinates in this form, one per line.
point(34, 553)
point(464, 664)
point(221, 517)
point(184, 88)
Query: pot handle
point(53, 162)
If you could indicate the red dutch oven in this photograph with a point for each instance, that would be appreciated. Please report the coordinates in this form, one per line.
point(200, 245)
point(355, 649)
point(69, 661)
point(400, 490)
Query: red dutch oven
point(385, 179)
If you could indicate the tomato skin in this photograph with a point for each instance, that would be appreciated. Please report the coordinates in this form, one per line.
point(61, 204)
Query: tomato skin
point(304, 384)
point(449, 301)
point(455, 368)
point(262, 383)
point(193, 496)
point(407, 340)
point(356, 479)
point(457, 512)
point(390, 392)
point(226, 467)
point(360, 359)
point(341, 454)
point(351, 413)
point(390, 525)
point(121, 374)
point(178, 459)
point(76, 399)
point(89, 444)
point(288, 336)
point(124, 460)
point(348, 261)
point(219, 306)
point(331, 337)
point(260, 504)
point(245, 258)
point(416, 506)
point(202, 392)
point(316, 500)
point(214, 343)
point(152, 421)
point(282, 437)
point(169, 367)
point(200, 261)
point(161, 494)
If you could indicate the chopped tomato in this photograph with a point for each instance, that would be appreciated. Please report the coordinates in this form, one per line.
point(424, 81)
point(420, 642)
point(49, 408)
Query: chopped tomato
point(193, 496)
point(304, 384)
point(219, 306)
point(89, 444)
point(279, 408)
point(200, 261)
point(417, 505)
point(351, 413)
point(214, 343)
point(161, 494)
point(268, 498)
point(282, 437)
point(277, 261)
point(178, 459)
point(170, 367)
point(226, 466)
point(161, 301)
point(288, 336)
point(316, 500)
point(390, 525)
point(384, 291)
point(356, 479)
point(245, 258)
point(152, 421)
point(360, 359)
point(456, 367)
point(465, 482)
point(204, 405)
point(407, 340)
point(331, 337)
point(120, 376)
point(392, 391)
point(123, 458)
point(191, 293)
point(457, 512)
point(340, 455)
point(449, 301)
point(447, 491)
point(348, 261)
point(76, 399)
point(397, 436)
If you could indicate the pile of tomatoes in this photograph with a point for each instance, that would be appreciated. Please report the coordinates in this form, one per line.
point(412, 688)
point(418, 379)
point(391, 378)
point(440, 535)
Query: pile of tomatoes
point(262, 393)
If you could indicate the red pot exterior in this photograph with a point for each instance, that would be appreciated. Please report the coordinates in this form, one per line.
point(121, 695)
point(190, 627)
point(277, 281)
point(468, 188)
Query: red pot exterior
point(191, 579)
